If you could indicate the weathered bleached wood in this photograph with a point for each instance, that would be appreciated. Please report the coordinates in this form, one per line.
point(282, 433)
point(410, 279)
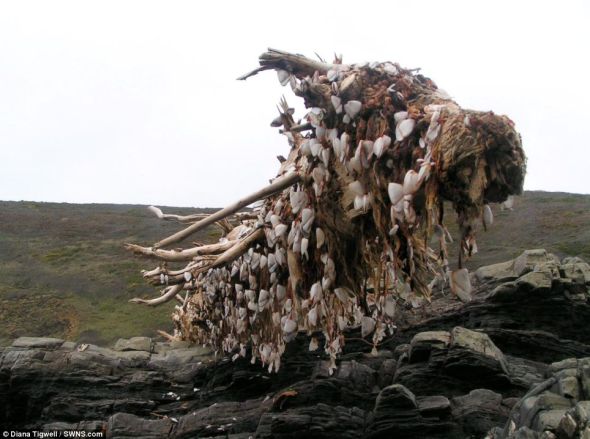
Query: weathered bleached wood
point(169, 294)
point(240, 216)
point(239, 249)
point(296, 64)
point(278, 185)
point(183, 255)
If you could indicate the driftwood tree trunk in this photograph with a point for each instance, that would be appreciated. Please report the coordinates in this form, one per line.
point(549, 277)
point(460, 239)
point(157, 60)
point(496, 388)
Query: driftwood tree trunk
point(342, 235)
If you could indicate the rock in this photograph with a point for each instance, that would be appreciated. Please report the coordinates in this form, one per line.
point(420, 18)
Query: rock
point(478, 411)
point(548, 419)
point(477, 342)
point(535, 280)
point(424, 342)
point(134, 344)
point(434, 405)
point(126, 425)
point(38, 342)
point(450, 370)
point(569, 387)
point(528, 259)
point(567, 426)
point(501, 272)
point(577, 271)
point(395, 396)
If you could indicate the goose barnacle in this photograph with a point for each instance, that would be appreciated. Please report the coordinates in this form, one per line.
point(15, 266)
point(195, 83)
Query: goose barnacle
point(325, 156)
point(320, 237)
point(275, 220)
point(263, 299)
point(315, 147)
point(352, 108)
point(461, 284)
point(399, 116)
point(396, 192)
point(304, 246)
point(307, 218)
point(280, 230)
point(312, 316)
point(289, 326)
point(336, 103)
point(411, 182)
point(404, 129)
point(298, 199)
point(380, 145)
point(316, 293)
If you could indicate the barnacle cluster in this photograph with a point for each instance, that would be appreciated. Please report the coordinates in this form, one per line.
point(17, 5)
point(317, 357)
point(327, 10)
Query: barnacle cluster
point(343, 233)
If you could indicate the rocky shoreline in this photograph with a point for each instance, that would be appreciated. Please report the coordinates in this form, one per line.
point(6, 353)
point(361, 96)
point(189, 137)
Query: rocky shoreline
point(514, 362)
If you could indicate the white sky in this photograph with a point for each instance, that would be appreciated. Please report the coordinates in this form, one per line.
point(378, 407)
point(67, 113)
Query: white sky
point(137, 102)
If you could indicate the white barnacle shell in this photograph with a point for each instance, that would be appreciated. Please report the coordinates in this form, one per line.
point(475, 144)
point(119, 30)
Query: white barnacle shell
point(404, 129)
point(307, 218)
point(352, 108)
point(396, 192)
point(305, 148)
point(380, 145)
point(280, 230)
point(320, 237)
point(281, 256)
point(283, 77)
point(488, 216)
point(399, 116)
point(336, 103)
point(263, 299)
point(304, 247)
point(315, 147)
point(263, 261)
point(187, 276)
point(275, 220)
point(337, 146)
point(272, 262)
point(312, 316)
point(358, 202)
point(411, 182)
point(325, 156)
point(344, 143)
point(367, 326)
point(297, 200)
point(315, 293)
point(289, 326)
point(461, 284)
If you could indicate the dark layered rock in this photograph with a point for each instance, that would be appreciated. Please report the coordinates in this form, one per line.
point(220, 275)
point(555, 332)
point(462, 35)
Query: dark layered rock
point(514, 362)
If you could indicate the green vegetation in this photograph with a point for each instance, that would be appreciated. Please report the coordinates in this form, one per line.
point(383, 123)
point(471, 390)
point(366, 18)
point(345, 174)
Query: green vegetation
point(64, 271)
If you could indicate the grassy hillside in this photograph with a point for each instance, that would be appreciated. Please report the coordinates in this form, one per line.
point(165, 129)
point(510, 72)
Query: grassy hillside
point(64, 272)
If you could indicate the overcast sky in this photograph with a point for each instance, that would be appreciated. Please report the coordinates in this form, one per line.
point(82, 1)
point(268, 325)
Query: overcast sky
point(137, 101)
